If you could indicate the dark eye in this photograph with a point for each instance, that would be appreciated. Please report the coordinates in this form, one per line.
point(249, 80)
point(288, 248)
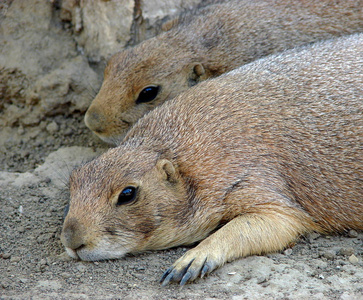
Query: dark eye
point(127, 195)
point(147, 94)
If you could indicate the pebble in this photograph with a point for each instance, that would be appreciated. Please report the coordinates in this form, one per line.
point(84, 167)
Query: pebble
point(52, 127)
point(261, 279)
point(21, 130)
point(23, 280)
point(43, 125)
point(329, 255)
point(21, 229)
point(6, 255)
point(353, 259)
point(321, 264)
point(81, 268)
point(353, 233)
point(346, 251)
point(34, 133)
point(304, 252)
point(15, 259)
point(288, 252)
point(43, 262)
point(313, 236)
point(40, 268)
point(66, 275)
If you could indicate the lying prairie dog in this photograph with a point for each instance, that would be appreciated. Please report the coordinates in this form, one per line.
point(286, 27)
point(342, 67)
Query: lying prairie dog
point(205, 44)
point(245, 163)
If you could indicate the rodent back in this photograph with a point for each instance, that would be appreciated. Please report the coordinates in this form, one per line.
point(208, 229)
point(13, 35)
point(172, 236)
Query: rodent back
point(298, 113)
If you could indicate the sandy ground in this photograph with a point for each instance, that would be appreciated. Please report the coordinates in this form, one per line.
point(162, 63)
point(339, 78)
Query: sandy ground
point(42, 138)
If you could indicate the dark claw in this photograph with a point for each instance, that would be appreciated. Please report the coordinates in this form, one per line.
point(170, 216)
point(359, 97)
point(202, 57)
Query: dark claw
point(166, 273)
point(204, 270)
point(167, 279)
point(172, 275)
point(207, 268)
point(185, 278)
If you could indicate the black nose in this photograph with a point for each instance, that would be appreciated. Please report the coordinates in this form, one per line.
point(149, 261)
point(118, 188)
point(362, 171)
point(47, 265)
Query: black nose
point(94, 120)
point(73, 234)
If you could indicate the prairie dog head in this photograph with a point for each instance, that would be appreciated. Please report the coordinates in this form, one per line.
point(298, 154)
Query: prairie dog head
point(122, 203)
point(135, 81)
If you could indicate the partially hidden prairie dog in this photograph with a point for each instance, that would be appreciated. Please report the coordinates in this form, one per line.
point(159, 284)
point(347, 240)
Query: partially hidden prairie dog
point(246, 162)
point(205, 44)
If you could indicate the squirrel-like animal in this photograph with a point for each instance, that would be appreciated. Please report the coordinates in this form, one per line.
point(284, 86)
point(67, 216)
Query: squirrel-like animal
point(204, 44)
point(245, 163)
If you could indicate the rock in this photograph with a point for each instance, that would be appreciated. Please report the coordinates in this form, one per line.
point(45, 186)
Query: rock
point(103, 27)
point(261, 279)
point(23, 280)
point(154, 10)
point(30, 47)
point(6, 255)
point(313, 236)
point(81, 267)
point(353, 233)
point(288, 252)
point(25, 179)
point(15, 259)
point(346, 251)
point(52, 127)
point(353, 259)
point(63, 160)
point(330, 255)
point(320, 264)
point(66, 275)
point(21, 229)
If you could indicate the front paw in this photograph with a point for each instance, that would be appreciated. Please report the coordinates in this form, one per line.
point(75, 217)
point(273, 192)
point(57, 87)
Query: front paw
point(193, 263)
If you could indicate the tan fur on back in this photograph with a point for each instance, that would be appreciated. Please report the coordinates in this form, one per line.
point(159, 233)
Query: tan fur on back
point(208, 43)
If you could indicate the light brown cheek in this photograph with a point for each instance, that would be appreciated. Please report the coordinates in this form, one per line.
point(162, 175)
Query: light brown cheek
point(144, 228)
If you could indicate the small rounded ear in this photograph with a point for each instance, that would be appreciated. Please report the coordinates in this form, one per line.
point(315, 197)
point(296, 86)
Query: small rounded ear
point(197, 72)
point(199, 69)
point(166, 170)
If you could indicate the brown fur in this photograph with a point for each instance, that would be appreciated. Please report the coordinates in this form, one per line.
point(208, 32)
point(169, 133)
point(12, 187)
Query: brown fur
point(206, 44)
point(269, 151)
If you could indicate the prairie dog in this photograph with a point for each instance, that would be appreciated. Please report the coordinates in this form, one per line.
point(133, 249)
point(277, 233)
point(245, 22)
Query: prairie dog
point(207, 43)
point(245, 163)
